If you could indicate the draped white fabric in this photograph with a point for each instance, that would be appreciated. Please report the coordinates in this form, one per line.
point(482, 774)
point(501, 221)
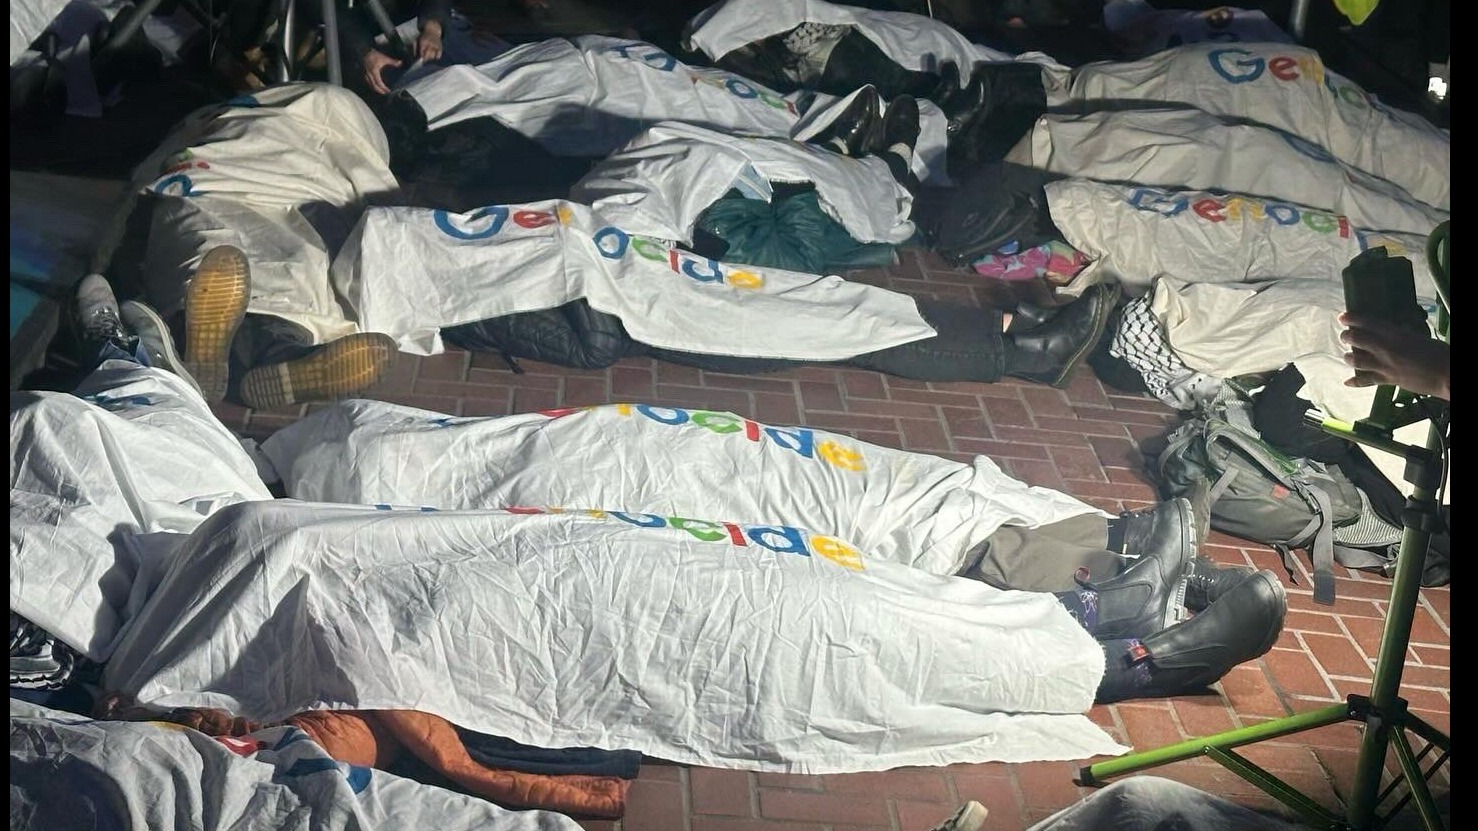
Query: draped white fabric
point(135, 451)
point(281, 174)
point(1286, 87)
point(410, 272)
point(1136, 233)
point(909, 508)
point(662, 181)
point(1194, 150)
point(728, 645)
point(723, 640)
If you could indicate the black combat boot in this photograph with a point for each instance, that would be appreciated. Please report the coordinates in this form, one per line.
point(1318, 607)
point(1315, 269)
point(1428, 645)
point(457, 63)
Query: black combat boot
point(1241, 625)
point(1148, 595)
point(1151, 528)
point(1171, 522)
point(1049, 353)
point(1209, 581)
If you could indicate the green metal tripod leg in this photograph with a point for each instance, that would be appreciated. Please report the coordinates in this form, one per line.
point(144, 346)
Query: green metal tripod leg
point(1219, 746)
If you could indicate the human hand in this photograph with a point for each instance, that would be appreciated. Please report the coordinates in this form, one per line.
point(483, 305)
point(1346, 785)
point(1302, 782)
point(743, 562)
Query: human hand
point(1384, 353)
point(428, 45)
point(374, 64)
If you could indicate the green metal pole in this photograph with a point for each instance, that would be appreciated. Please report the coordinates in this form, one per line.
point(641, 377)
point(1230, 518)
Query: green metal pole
point(1316, 814)
point(1386, 709)
point(1421, 795)
point(1191, 748)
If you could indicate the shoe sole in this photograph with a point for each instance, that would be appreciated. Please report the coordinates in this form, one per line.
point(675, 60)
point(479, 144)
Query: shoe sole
point(340, 368)
point(215, 305)
point(1100, 320)
point(1175, 608)
point(1282, 597)
point(171, 356)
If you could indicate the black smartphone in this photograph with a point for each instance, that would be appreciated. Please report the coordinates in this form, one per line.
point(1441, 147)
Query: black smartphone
point(1380, 286)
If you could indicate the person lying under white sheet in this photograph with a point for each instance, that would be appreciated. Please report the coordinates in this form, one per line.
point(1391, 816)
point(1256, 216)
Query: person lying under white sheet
point(618, 616)
point(589, 95)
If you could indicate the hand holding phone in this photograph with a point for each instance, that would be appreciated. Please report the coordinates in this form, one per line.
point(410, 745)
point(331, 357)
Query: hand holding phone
point(1388, 338)
point(1382, 287)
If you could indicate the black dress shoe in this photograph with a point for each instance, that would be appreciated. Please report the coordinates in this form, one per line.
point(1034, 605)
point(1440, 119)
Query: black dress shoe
point(1240, 626)
point(1149, 595)
point(856, 128)
point(900, 126)
point(1049, 353)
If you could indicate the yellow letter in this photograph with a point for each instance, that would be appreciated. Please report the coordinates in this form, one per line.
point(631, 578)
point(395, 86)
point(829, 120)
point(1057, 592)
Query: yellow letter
point(745, 280)
point(840, 456)
point(837, 551)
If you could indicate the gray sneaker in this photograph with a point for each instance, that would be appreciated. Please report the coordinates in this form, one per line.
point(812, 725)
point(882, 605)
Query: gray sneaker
point(153, 333)
point(97, 311)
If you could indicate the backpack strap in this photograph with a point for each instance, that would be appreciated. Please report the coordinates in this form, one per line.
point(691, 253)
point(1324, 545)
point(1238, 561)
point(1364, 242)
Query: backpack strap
point(1351, 556)
point(1325, 552)
point(1322, 550)
point(1221, 484)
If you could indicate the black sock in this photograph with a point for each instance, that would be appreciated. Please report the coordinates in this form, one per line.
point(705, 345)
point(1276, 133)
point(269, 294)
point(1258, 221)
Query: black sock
point(1128, 672)
point(1082, 604)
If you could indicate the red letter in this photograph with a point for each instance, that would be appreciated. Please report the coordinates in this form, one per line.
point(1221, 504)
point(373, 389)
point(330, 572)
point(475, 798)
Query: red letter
point(533, 219)
point(1284, 68)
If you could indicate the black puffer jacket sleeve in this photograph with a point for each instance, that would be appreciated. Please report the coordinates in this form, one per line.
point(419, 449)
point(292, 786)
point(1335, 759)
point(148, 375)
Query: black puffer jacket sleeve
point(573, 335)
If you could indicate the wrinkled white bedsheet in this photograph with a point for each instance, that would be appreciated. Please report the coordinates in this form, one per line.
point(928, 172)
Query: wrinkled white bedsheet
point(909, 508)
point(135, 451)
point(734, 642)
point(282, 174)
point(728, 645)
point(1195, 150)
point(410, 272)
point(664, 179)
point(1286, 87)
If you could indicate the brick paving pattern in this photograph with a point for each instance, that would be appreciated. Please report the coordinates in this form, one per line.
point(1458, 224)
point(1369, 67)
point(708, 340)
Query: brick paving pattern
point(1084, 440)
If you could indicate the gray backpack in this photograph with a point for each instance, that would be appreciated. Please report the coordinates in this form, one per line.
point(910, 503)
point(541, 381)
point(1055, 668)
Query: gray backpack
point(1256, 492)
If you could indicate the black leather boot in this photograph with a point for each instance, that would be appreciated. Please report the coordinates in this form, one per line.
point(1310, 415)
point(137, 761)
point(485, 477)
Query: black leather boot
point(1240, 626)
point(856, 129)
point(1029, 316)
point(1168, 524)
point(1049, 353)
point(1148, 595)
point(1174, 523)
point(1209, 581)
point(999, 105)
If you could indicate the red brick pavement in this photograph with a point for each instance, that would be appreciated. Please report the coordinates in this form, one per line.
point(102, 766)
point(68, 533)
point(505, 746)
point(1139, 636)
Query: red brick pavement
point(1084, 440)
